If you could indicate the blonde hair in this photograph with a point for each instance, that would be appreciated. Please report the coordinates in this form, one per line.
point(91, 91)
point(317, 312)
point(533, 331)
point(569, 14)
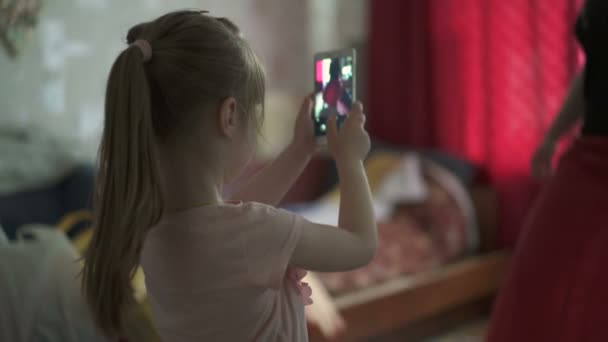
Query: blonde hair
point(197, 60)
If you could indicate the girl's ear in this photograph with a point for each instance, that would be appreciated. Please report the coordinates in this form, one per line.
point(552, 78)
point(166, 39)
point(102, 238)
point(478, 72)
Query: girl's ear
point(228, 118)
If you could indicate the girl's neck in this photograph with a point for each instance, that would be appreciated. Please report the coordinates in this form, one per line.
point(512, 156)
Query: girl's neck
point(187, 182)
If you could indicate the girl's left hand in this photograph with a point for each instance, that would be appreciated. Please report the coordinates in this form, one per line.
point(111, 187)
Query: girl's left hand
point(324, 312)
point(304, 135)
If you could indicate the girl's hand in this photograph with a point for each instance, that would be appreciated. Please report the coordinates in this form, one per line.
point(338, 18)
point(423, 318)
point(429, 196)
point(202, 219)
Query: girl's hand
point(323, 312)
point(351, 142)
point(304, 136)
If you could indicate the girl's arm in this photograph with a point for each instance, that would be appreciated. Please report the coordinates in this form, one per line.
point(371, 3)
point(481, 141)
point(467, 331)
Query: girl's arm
point(353, 243)
point(270, 184)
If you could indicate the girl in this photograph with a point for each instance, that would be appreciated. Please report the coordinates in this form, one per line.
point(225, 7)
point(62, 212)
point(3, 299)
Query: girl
point(183, 103)
point(556, 289)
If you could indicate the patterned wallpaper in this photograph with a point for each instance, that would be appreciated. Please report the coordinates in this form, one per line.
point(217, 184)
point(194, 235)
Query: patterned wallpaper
point(58, 81)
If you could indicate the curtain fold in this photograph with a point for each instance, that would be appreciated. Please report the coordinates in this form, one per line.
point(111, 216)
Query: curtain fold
point(481, 79)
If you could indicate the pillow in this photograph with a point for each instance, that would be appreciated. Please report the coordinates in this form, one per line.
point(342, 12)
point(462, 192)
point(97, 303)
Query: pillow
point(463, 169)
point(405, 184)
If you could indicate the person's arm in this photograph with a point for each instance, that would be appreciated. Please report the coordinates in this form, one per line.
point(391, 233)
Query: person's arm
point(571, 111)
point(271, 183)
point(353, 243)
point(346, 99)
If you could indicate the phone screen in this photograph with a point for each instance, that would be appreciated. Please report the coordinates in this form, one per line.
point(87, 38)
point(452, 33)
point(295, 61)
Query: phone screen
point(334, 90)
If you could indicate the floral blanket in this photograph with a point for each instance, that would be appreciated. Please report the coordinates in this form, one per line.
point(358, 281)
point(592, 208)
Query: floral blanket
point(425, 219)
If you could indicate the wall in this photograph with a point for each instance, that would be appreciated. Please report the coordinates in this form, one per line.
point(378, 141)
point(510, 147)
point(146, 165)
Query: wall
point(58, 82)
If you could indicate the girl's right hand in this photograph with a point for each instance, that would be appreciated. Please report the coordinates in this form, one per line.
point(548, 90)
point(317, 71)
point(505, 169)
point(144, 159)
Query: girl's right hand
point(351, 142)
point(541, 161)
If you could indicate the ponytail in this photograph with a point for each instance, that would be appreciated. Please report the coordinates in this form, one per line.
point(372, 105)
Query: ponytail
point(128, 198)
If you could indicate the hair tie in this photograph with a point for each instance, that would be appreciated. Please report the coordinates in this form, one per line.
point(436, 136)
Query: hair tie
point(145, 48)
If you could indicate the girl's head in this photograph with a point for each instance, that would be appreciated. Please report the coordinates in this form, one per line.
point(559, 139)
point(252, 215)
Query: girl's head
point(200, 91)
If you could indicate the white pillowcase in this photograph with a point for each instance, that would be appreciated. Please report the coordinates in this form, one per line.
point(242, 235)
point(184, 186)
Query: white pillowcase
point(405, 184)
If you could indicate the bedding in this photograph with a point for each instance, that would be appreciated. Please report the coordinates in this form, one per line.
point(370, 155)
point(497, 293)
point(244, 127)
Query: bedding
point(425, 219)
point(465, 171)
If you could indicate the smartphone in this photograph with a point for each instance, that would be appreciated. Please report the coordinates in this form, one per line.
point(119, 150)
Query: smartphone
point(334, 89)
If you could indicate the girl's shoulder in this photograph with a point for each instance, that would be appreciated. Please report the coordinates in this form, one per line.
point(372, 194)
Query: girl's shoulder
point(261, 210)
point(233, 213)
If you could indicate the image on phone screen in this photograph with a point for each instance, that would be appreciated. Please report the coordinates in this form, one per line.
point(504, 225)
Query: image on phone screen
point(334, 90)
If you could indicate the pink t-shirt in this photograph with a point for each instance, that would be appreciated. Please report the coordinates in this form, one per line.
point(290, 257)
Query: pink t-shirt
point(220, 273)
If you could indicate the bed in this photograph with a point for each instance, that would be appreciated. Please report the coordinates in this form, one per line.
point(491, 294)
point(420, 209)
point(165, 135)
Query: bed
point(416, 303)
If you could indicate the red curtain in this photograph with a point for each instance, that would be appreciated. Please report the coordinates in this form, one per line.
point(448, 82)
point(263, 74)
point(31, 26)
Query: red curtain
point(481, 79)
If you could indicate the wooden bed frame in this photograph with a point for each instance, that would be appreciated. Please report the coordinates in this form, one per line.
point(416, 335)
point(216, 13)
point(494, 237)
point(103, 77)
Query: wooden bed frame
point(425, 303)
